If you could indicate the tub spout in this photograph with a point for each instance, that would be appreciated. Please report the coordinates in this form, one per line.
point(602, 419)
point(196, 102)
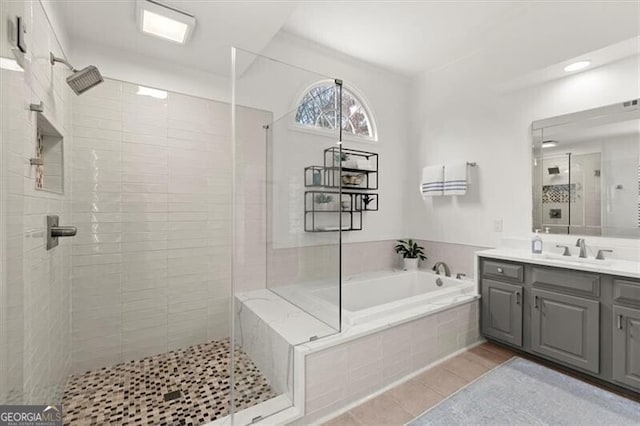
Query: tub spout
point(438, 265)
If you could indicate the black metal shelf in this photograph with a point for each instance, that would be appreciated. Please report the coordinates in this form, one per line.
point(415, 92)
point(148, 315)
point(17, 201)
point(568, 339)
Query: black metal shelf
point(340, 186)
point(346, 165)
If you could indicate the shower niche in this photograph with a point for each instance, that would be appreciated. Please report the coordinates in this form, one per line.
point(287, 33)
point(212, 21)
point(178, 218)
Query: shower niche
point(49, 156)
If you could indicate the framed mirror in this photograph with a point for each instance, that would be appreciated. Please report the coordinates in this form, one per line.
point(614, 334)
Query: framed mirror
point(586, 172)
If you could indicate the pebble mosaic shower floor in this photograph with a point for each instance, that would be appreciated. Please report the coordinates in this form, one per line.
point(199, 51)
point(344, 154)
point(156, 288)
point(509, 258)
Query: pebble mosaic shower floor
point(143, 392)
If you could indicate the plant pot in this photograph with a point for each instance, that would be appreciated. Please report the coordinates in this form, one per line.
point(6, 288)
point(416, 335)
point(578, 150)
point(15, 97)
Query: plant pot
point(410, 264)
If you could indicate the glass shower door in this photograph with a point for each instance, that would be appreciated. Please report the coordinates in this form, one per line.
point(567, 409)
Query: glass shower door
point(287, 224)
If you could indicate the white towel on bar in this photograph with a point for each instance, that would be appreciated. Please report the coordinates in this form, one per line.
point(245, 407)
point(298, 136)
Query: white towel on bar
point(455, 179)
point(432, 183)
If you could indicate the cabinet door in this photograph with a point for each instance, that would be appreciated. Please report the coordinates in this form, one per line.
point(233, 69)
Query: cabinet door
point(566, 328)
point(626, 346)
point(502, 311)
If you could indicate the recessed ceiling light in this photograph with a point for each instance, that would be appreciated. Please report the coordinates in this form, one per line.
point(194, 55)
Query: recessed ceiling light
point(577, 66)
point(10, 64)
point(549, 144)
point(154, 93)
point(164, 21)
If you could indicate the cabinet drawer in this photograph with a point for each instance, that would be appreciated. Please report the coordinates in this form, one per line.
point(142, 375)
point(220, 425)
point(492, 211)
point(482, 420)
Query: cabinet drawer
point(570, 281)
point(626, 292)
point(505, 270)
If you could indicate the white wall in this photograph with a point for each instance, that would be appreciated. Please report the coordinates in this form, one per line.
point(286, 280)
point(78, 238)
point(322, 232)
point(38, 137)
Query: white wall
point(266, 86)
point(387, 95)
point(460, 114)
point(35, 321)
point(119, 65)
point(152, 202)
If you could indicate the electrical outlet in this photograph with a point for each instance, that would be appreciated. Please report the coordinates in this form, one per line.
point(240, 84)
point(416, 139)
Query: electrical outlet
point(497, 225)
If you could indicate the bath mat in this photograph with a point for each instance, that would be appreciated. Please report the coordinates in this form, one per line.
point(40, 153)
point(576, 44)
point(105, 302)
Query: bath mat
point(521, 392)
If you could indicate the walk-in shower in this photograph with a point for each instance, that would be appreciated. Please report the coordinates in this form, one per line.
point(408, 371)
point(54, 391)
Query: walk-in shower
point(189, 231)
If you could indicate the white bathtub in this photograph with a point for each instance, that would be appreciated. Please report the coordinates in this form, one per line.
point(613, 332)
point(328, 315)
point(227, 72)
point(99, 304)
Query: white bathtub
point(371, 296)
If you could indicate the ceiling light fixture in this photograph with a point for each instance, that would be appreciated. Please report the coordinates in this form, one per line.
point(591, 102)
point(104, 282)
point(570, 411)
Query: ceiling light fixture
point(164, 21)
point(576, 66)
point(549, 144)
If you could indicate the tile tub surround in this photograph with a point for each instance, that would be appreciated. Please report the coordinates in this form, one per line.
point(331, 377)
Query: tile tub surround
point(402, 403)
point(289, 265)
point(35, 286)
point(152, 200)
point(134, 392)
point(345, 373)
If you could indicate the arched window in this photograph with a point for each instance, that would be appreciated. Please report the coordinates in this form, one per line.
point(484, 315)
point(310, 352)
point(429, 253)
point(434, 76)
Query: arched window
point(317, 109)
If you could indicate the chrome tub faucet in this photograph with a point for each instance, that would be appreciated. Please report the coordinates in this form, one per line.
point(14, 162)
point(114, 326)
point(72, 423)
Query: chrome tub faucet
point(438, 265)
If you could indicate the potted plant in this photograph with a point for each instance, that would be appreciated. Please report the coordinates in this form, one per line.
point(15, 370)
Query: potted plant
point(322, 201)
point(411, 253)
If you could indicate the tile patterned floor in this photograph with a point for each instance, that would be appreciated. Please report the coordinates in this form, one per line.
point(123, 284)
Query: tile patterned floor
point(407, 401)
point(133, 393)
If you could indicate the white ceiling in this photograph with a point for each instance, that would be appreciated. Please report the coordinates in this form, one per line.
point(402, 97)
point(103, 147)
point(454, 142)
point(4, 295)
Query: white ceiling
point(407, 37)
point(411, 37)
point(404, 36)
point(219, 25)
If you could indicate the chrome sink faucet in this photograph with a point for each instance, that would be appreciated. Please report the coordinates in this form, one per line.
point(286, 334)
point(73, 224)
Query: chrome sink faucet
point(583, 248)
point(436, 269)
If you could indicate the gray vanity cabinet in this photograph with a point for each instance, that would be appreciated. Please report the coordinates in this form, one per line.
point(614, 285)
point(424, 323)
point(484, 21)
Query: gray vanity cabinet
point(502, 311)
point(626, 346)
point(566, 328)
point(579, 319)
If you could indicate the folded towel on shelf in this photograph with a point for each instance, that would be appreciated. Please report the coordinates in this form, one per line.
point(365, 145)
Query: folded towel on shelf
point(432, 182)
point(455, 179)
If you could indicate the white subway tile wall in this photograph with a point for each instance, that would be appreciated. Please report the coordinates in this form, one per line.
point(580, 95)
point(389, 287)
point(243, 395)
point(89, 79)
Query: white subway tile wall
point(35, 287)
point(153, 204)
point(343, 374)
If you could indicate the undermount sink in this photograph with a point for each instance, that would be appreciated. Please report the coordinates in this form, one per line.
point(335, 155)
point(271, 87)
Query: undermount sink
point(575, 259)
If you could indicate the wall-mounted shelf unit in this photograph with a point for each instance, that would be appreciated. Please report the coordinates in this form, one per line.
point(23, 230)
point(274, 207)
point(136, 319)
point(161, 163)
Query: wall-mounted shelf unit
point(354, 172)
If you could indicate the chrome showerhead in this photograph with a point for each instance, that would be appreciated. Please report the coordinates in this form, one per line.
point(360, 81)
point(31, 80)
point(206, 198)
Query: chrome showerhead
point(81, 80)
point(84, 79)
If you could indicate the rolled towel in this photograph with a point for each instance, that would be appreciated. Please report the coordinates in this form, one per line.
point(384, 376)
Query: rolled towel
point(432, 182)
point(456, 181)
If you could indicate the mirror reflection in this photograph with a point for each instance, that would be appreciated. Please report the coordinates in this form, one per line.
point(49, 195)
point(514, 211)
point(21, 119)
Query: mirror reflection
point(586, 172)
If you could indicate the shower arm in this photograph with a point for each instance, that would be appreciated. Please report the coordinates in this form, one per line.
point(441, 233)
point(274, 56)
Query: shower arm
point(53, 59)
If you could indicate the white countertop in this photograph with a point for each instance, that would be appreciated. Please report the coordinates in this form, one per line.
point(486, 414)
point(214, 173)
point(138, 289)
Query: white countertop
point(624, 268)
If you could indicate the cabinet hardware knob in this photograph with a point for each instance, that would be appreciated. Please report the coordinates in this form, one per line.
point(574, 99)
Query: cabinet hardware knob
point(500, 270)
point(535, 302)
point(517, 297)
point(619, 322)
